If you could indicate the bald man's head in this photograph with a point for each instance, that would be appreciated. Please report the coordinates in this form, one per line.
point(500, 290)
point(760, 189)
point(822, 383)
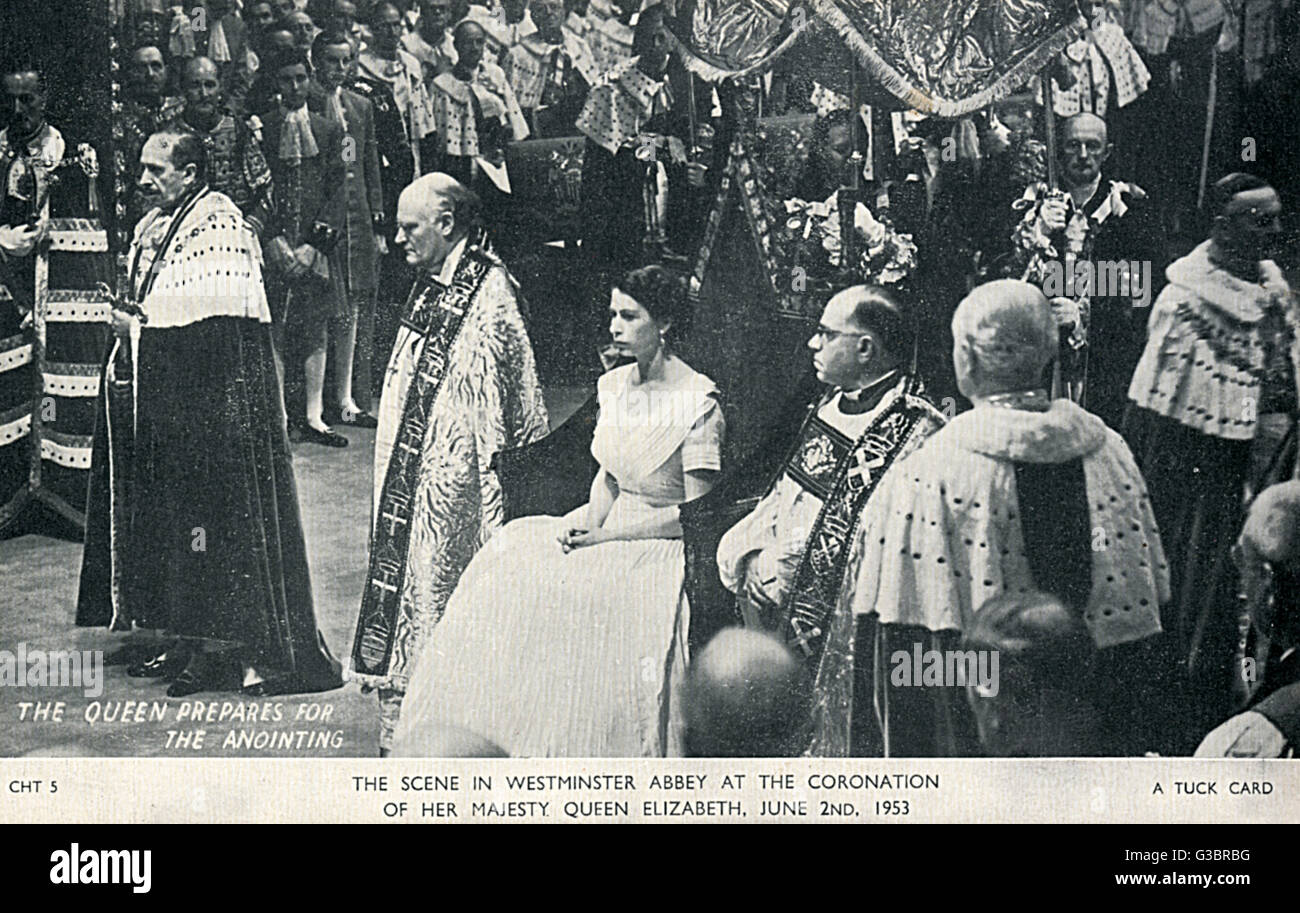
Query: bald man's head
point(1031, 698)
point(1085, 146)
point(1084, 123)
point(1004, 335)
point(433, 214)
point(197, 68)
point(1273, 524)
point(747, 696)
point(201, 85)
point(1271, 541)
point(470, 41)
point(302, 27)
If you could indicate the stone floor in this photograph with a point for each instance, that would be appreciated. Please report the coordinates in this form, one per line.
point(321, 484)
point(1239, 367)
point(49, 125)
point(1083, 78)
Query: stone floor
point(37, 606)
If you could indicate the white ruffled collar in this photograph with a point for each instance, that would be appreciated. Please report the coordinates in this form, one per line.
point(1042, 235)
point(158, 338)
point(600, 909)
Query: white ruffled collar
point(1239, 299)
point(484, 85)
point(638, 86)
point(1064, 432)
point(389, 71)
point(539, 47)
point(46, 147)
point(616, 30)
point(572, 45)
point(577, 24)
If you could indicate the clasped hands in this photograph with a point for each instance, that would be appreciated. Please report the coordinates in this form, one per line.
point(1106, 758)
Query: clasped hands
point(301, 262)
point(580, 538)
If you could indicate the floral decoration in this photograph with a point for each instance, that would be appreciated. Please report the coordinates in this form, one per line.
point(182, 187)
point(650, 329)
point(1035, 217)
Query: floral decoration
point(809, 237)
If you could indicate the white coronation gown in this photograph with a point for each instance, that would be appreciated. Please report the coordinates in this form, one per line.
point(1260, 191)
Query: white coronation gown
point(550, 654)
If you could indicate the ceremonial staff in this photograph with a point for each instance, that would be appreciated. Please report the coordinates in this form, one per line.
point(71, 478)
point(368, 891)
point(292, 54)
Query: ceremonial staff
point(1073, 390)
point(693, 116)
point(851, 189)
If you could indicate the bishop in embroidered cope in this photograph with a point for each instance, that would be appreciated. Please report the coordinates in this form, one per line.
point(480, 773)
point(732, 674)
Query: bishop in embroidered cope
point(461, 386)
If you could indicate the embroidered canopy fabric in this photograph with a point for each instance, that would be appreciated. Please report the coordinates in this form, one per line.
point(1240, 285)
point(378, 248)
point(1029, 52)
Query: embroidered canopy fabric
point(942, 57)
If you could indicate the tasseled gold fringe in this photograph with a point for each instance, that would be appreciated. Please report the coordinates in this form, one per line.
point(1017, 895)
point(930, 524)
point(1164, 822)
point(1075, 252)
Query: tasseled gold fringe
point(710, 73)
point(901, 88)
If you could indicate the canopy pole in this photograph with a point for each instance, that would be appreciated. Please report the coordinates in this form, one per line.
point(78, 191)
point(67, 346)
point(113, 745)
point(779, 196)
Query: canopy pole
point(851, 188)
point(694, 149)
point(1060, 388)
point(1049, 123)
point(1211, 105)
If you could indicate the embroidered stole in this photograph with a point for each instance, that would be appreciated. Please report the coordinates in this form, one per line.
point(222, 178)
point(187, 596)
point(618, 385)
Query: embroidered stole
point(844, 474)
point(430, 309)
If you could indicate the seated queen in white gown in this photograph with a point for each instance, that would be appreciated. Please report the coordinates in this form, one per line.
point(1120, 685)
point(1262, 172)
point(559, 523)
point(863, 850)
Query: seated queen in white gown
point(566, 636)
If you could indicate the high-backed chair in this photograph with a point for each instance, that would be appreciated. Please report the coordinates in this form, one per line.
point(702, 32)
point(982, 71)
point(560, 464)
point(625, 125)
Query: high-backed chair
point(705, 520)
point(553, 475)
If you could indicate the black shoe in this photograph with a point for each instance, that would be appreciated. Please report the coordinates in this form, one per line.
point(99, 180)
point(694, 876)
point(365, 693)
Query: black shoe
point(327, 438)
point(187, 683)
point(132, 654)
point(269, 688)
point(165, 665)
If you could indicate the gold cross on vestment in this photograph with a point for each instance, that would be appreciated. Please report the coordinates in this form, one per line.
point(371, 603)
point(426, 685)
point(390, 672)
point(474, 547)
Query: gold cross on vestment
point(803, 638)
point(393, 520)
point(383, 584)
point(863, 464)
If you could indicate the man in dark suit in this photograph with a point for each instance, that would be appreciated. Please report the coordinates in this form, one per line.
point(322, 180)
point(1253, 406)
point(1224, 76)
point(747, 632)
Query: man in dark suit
point(305, 152)
point(361, 244)
point(1110, 225)
point(396, 171)
point(264, 96)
